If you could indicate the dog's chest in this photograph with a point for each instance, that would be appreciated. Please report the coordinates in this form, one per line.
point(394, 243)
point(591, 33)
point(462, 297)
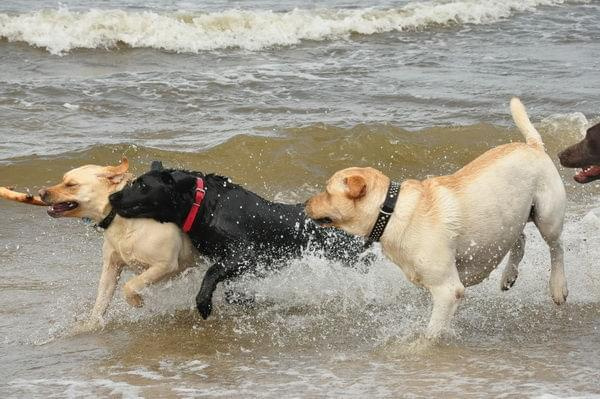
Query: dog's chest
point(127, 249)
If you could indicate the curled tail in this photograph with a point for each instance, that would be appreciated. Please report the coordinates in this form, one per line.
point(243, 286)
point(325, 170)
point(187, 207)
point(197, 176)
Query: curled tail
point(519, 114)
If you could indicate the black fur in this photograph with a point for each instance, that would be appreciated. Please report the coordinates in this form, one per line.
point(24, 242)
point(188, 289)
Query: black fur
point(235, 228)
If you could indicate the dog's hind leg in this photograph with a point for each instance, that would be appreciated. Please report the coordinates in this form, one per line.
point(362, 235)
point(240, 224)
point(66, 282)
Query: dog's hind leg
point(511, 271)
point(549, 212)
point(558, 282)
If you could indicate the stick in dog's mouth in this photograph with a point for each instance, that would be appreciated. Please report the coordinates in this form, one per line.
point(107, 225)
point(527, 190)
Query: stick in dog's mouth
point(588, 174)
point(9, 194)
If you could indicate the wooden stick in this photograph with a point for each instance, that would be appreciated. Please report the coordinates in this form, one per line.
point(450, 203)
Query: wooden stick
point(20, 197)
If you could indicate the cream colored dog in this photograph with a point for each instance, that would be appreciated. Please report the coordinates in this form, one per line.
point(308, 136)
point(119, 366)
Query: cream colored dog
point(449, 232)
point(154, 250)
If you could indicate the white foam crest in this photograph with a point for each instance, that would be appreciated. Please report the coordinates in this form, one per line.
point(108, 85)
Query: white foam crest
point(49, 387)
point(61, 30)
point(563, 123)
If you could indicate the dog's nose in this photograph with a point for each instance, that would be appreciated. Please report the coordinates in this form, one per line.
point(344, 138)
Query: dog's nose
point(114, 198)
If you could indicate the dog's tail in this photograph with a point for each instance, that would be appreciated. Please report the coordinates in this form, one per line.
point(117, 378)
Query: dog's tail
point(519, 114)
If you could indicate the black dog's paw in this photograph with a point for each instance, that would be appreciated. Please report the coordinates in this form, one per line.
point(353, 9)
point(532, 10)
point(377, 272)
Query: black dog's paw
point(204, 308)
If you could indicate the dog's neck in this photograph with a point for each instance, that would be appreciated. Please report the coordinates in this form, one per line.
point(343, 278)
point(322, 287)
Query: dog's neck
point(104, 206)
point(184, 202)
point(408, 199)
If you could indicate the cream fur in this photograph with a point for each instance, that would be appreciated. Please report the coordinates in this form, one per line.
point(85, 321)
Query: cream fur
point(450, 232)
point(153, 250)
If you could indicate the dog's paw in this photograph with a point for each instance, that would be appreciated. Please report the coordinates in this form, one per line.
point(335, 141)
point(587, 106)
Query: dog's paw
point(558, 288)
point(204, 308)
point(135, 300)
point(509, 277)
point(86, 326)
point(507, 283)
point(559, 294)
point(132, 297)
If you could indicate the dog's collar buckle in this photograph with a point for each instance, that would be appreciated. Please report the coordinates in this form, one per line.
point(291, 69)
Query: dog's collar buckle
point(385, 213)
point(200, 192)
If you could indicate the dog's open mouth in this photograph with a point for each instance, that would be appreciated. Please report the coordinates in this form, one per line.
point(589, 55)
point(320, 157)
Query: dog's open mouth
point(325, 221)
point(56, 210)
point(588, 174)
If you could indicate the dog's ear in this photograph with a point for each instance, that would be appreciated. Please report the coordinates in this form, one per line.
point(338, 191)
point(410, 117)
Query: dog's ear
point(156, 165)
point(183, 182)
point(184, 185)
point(166, 178)
point(593, 135)
point(116, 174)
point(356, 186)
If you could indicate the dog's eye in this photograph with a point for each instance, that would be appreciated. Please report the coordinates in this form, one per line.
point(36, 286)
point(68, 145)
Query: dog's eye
point(143, 185)
point(70, 184)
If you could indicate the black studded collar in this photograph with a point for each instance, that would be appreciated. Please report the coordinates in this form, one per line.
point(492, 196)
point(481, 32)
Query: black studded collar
point(384, 213)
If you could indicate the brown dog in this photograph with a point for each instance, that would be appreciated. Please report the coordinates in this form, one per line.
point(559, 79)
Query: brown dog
point(449, 232)
point(154, 250)
point(585, 155)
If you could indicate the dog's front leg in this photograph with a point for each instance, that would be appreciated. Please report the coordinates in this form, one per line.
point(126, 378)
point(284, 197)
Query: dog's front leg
point(214, 275)
point(153, 274)
point(446, 295)
point(111, 270)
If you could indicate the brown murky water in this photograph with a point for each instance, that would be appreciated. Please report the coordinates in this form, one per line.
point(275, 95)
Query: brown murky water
point(316, 329)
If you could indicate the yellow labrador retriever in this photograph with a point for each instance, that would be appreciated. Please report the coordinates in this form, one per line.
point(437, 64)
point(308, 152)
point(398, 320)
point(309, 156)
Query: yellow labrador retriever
point(449, 232)
point(155, 250)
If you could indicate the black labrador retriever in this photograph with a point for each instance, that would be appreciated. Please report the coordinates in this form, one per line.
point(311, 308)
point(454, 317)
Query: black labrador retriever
point(235, 228)
point(585, 155)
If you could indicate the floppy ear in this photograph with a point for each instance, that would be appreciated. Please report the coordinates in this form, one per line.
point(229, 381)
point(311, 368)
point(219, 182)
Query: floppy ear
point(593, 134)
point(184, 183)
point(115, 174)
point(166, 177)
point(356, 186)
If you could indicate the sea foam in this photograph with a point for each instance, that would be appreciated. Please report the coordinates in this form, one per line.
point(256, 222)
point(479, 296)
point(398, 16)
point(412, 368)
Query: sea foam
point(61, 30)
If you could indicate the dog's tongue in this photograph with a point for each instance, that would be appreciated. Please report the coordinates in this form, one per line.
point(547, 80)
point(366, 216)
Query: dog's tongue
point(585, 175)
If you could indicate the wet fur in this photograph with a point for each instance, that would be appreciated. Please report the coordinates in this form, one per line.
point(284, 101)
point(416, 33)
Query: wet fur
point(450, 232)
point(235, 228)
point(153, 250)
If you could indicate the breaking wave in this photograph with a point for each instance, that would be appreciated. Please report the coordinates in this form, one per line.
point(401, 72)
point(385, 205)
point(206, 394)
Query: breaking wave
point(61, 30)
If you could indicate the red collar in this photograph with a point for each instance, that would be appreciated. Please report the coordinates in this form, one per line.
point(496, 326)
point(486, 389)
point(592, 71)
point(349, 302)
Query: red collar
point(200, 192)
